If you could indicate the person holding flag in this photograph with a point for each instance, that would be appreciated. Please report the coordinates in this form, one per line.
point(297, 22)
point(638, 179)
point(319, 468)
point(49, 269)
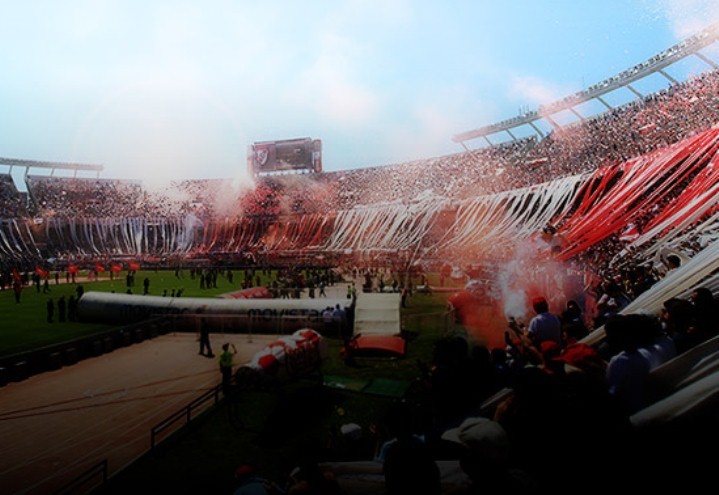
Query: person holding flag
point(114, 268)
point(41, 272)
point(98, 270)
point(44, 275)
point(16, 284)
point(72, 270)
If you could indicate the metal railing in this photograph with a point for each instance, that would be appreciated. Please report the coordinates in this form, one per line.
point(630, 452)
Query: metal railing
point(101, 468)
point(184, 413)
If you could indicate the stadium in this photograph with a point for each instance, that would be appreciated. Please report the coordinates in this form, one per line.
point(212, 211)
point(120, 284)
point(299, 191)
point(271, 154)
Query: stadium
point(392, 306)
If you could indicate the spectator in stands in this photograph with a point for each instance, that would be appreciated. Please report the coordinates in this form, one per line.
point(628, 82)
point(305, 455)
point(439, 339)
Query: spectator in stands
point(501, 370)
point(451, 393)
point(249, 483)
point(406, 458)
point(673, 262)
point(482, 374)
point(654, 343)
point(677, 318)
point(398, 421)
point(545, 325)
point(610, 303)
point(706, 314)
point(309, 479)
point(573, 327)
point(408, 467)
point(628, 369)
point(484, 455)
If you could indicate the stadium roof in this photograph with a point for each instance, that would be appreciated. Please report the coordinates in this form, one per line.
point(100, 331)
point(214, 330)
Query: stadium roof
point(28, 164)
point(654, 65)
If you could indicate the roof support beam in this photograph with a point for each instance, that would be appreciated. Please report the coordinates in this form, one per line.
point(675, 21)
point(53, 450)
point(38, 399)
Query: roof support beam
point(552, 122)
point(609, 107)
point(690, 46)
point(639, 95)
point(671, 79)
point(707, 60)
point(579, 116)
point(541, 135)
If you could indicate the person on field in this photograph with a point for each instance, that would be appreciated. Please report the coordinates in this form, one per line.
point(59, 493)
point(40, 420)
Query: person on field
point(226, 364)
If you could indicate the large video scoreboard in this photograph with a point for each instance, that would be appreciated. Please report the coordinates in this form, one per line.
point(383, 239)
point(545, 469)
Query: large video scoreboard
point(288, 154)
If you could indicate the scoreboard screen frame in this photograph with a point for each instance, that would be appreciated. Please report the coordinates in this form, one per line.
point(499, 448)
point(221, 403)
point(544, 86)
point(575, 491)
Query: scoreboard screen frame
point(285, 155)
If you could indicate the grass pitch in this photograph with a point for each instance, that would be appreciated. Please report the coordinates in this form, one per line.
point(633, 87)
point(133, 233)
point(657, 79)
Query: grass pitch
point(25, 327)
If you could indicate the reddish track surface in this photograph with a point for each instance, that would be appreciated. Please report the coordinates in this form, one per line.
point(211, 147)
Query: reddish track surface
point(56, 425)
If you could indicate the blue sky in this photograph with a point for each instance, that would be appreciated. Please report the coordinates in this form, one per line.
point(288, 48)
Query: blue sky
point(178, 89)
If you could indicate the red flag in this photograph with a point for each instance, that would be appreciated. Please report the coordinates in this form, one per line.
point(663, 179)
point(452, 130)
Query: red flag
point(115, 267)
point(99, 268)
point(73, 268)
point(134, 265)
point(536, 162)
point(41, 271)
point(646, 128)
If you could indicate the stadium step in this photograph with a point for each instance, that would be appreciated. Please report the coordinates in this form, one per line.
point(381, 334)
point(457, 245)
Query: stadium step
point(377, 314)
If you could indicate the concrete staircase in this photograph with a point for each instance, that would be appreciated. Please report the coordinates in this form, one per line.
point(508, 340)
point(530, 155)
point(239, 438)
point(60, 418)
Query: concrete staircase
point(377, 314)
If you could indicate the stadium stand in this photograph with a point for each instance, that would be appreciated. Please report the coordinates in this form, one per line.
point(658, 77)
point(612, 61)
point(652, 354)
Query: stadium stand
point(610, 200)
point(12, 202)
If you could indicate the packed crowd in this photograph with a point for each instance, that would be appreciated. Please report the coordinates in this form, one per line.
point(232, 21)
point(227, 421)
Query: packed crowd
point(631, 130)
point(73, 197)
point(12, 203)
point(634, 129)
point(571, 418)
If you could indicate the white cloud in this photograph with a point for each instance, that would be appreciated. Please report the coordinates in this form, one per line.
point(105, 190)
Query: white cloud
point(332, 86)
point(686, 17)
point(534, 91)
point(158, 134)
point(436, 118)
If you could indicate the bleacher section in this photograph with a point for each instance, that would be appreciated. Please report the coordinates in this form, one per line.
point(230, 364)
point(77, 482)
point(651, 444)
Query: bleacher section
point(13, 204)
point(72, 197)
